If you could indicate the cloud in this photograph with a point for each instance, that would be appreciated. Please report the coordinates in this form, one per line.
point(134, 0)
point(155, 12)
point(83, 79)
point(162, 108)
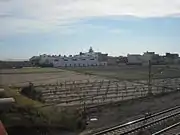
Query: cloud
point(24, 16)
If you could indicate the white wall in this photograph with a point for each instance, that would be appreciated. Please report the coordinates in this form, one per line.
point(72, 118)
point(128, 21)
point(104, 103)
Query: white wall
point(88, 59)
point(44, 59)
point(147, 57)
point(80, 61)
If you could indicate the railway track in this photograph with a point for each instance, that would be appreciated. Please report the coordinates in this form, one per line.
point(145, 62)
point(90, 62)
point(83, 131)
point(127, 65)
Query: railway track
point(171, 130)
point(148, 122)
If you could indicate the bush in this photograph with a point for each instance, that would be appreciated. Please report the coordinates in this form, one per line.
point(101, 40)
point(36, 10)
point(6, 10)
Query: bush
point(66, 118)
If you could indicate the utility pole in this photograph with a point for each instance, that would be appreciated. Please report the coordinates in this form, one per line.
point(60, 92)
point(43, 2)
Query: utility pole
point(150, 79)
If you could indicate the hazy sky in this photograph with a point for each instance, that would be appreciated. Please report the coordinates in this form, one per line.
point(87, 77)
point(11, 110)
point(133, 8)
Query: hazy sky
point(118, 27)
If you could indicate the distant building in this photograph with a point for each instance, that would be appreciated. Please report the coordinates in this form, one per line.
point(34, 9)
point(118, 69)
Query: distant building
point(112, 61)
point(172, 55)
point(171, 58)
point(137, 59)
point(150, 56)
point(90, 58)
point(134, 59)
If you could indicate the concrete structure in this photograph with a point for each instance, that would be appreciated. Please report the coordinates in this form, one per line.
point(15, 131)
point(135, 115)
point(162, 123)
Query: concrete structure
point(150, 56)
point(137, 59)
point(6, 101)
point(90, 58)
point(134, 59)
point(85, 60)
point(172, 58)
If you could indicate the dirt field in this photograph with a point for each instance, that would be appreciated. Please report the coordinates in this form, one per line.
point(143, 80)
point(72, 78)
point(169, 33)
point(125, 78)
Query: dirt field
point(109, 115)
point(131, 72)
point(131, 110)
point(20, 77)
point(38, 76)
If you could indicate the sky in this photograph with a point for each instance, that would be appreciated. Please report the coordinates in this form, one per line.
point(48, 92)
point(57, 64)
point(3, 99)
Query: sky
point(116, 27)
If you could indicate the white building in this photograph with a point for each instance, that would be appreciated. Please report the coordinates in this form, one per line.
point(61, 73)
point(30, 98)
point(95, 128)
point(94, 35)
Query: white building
point(47, 59)
point(90, 58)
point(142, 59)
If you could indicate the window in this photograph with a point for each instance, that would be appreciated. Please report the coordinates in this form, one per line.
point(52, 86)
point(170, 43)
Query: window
point(74, 59)
point(91, 59)
point(65, 60)
point(56, 60)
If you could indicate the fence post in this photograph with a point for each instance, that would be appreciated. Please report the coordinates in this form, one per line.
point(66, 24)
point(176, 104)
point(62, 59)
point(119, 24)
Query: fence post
point(117, 91)
point(150, 79)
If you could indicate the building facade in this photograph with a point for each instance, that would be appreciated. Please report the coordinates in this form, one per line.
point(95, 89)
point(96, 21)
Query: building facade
point(84, 60)
point(90, 58)
point(134, 59)
point(137, 59)
point(172, 58)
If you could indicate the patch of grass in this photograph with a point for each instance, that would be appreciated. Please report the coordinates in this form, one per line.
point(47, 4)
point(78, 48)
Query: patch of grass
point(20, 99)
point(51, 115)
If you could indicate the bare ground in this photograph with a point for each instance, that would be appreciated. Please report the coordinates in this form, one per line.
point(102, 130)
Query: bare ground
point(132, 72)
point(131, 110)
point(107, 116)
point(41, 76)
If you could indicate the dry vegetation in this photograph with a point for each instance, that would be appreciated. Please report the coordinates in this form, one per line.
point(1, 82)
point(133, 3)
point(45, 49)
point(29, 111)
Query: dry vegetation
point(100, 92)
point(131, 110)
point(20, 77)
point(56, 90)
point(38, 76)
point(131, 72)
point(53, 115)
point(35, 114)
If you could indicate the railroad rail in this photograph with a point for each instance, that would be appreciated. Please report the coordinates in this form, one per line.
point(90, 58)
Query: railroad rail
point(142, 123)
point(169, 130)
